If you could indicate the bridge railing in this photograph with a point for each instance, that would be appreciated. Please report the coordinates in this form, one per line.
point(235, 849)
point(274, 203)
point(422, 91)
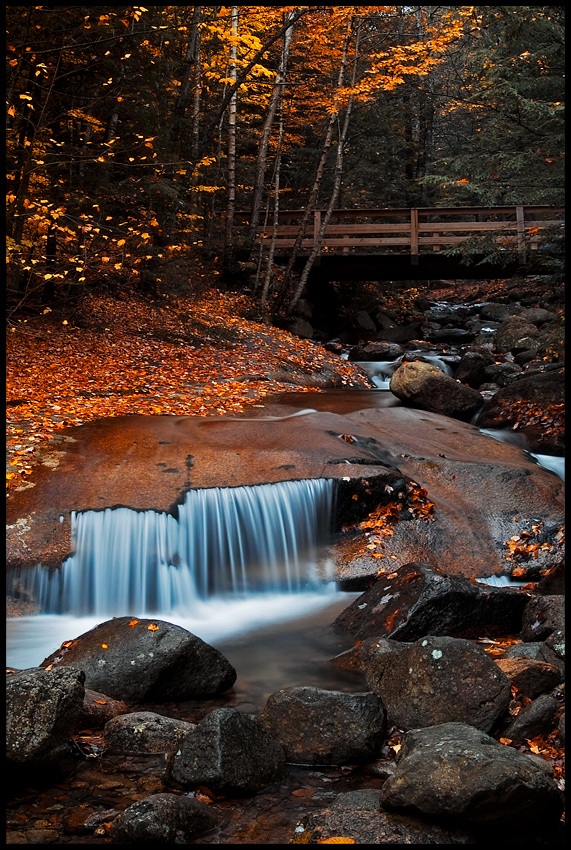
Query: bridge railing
point(417, 231)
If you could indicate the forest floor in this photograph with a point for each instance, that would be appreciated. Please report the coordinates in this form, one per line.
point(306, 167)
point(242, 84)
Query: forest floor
point(112, 356)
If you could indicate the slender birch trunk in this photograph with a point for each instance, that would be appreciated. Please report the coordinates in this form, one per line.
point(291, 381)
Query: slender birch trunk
point(270, 262)
point(265, 139)
point(231, 203)
point(316, 250)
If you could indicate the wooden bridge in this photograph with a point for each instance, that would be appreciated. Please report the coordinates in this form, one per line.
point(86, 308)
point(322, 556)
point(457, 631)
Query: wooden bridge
point(409, 243)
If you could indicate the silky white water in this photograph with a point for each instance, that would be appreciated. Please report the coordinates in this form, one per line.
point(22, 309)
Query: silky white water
point(233, 559)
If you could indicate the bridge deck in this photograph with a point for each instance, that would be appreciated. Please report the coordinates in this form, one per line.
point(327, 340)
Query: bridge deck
point(415, 232)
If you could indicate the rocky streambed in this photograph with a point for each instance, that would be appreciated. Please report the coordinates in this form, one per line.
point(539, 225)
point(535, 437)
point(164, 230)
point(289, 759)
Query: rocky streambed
point(440, 715)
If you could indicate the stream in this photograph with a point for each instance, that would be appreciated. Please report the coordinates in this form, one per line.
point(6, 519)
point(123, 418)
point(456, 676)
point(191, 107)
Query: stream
point(248, 570)
point(246, 620)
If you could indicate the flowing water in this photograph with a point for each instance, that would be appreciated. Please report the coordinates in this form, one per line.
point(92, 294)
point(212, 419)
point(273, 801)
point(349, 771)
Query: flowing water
point(231, 562)
point(233, 559)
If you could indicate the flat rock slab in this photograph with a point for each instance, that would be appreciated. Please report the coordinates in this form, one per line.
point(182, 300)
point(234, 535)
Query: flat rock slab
point(483, 489)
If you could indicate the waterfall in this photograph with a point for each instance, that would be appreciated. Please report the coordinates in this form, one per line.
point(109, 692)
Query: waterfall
point(225, 543)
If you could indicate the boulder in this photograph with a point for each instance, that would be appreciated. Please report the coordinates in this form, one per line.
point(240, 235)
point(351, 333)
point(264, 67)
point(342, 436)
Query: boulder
point(400, 333)
point(529, 676)
point(418, 600)
point(455, 771)
point(356, 816)
point(458, 336)
point(424, 386)
point(98, 709)
point(316, 726)
point(511, 331)
point(498, 312)
point(542, 616)
point(533, 405)
point(375, 351)
point(438, 680)
point(162, 819)
point(142, 732)
point(362, 320)
point(146, 661)
point(536, 718)
point(231, 753)
point(502, 374)
point(42, 708)
point(471, 368)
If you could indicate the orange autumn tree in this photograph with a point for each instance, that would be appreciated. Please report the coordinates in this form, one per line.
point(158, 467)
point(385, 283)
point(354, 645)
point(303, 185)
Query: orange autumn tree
point(118, 140)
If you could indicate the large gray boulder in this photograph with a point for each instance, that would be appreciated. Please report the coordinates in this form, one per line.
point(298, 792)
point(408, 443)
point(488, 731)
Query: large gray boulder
point(162, 819)
point(42, 708)
point(438, 680)
point(231, 753)
point(146, 661)
point(316, 726)
point(455, 771)
point(418, 599)
point(424, 386)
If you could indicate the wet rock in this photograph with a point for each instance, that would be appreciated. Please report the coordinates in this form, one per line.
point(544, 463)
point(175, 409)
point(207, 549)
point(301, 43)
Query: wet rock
point(424, 386)
point(400, 333)
point(98, 709)
point(458, 336)
point(498, 312)
point(529, 676)
point(231, 753)
point(537, 718)
point(455, 771)
point(438, 680)
point(519, 405)
point(316, 726)
point(538, 315)
point(542, 616)
point(162, 819)
point(298, 326)
point(471, 368)
point(511, 331)
point(42, 708)
point(357, 815)
point(142, 732)
point(419, 599)
point(375, 351)
point(146, 661)
point(362, 320)
point(502, 374)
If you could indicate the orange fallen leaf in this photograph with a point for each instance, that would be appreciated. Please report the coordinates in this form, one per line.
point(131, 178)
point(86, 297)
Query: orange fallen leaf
point(152, 627)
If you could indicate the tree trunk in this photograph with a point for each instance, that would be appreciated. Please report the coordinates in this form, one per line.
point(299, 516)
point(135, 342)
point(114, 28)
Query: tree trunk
point(265, 140)
point(338, 172)
point(231, 204)
point(270, 262)
point(310, 206)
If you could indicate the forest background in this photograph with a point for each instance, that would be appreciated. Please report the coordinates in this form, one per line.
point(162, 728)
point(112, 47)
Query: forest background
point(146, 145)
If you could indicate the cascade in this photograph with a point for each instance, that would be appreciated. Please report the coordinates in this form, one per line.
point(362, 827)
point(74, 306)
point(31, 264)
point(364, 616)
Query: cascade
point(225, 543)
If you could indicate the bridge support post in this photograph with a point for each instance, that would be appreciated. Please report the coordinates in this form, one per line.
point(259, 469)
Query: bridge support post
point(414, 237)
point(520, 219)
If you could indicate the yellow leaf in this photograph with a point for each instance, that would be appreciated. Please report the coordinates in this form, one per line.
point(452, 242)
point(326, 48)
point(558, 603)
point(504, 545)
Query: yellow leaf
point(336, 839)
point(120, 242)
